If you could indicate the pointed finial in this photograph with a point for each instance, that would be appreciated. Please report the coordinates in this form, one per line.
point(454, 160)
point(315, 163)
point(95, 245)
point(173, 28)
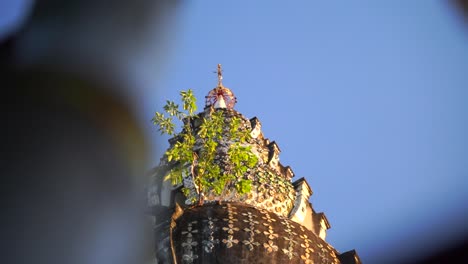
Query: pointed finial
point(220, 96)
point(220, 76)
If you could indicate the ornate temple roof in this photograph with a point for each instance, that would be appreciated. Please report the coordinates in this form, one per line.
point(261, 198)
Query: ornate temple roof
point(273, 223)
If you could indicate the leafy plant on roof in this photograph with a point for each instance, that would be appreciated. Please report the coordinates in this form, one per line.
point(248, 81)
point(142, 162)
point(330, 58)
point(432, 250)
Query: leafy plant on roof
point(196, 149)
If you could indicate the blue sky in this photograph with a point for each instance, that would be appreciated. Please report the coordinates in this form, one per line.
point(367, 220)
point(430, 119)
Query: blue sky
point(367, 101)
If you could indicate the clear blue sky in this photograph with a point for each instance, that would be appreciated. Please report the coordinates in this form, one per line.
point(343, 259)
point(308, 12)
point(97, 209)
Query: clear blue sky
point(367, 101)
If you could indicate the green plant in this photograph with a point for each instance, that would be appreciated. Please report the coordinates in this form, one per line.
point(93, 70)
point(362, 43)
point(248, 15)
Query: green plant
point(197, 150)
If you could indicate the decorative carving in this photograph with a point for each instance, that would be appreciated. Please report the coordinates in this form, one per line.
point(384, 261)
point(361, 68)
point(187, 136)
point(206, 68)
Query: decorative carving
point(289, 251)
point(190, 231)
point(256, 128)
point(189, 243)
point(230, 241)
point(270, 246)
point(270, 233)
point(306, 246)
point(189, 256)
point(255, 232)
point(250, 243)
point(230, 229)
point(208, 245)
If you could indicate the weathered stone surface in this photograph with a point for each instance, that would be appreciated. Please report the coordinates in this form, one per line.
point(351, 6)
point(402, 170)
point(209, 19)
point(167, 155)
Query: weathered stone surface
point(271, 182)
point(238, 233)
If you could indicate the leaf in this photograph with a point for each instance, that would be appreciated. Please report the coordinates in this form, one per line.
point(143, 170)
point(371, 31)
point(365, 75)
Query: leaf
point(167, 177)
point(212, 130)
point(244, 186)
point(186, 191)
point(189, 101)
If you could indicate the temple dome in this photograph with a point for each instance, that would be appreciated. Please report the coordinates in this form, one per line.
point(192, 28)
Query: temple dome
point(238, 233)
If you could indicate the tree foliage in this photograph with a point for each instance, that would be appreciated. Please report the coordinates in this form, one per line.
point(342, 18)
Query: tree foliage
point(197, 152)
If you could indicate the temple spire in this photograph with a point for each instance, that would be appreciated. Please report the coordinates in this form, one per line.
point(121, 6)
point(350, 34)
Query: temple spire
point(220, 96)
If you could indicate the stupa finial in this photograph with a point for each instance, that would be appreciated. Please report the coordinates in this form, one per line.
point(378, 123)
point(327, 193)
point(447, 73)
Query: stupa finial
point(220, 96)
point(220, 76)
